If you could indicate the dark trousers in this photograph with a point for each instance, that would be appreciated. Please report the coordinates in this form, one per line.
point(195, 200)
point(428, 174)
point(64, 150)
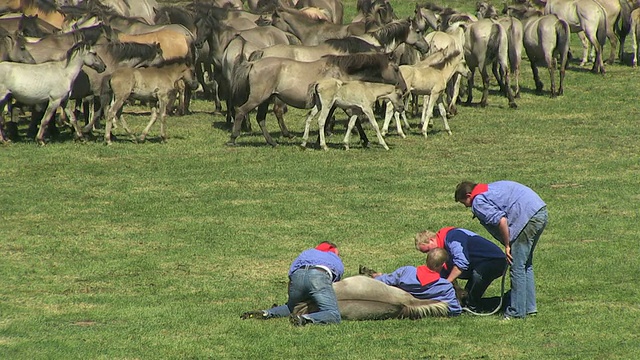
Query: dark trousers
point(480, 277)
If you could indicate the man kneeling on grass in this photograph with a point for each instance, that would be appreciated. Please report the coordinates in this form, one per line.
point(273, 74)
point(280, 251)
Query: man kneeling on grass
point(311, 276)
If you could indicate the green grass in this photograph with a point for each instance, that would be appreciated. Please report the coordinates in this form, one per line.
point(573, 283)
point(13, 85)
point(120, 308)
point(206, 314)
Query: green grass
point(138, 251)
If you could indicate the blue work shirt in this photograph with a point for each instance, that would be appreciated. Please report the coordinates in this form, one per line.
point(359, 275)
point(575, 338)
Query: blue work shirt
point(468, 249)
point(517, 202)
point(323, 258)
point(406, 278)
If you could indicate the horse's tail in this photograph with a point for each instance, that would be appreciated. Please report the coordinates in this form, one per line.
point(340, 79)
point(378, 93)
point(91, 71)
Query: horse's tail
point(601, 33)
point(256, 55)
point(314, 98)
point(495, 40)
point(562, 41)
point(424, 308)
point(240, 79)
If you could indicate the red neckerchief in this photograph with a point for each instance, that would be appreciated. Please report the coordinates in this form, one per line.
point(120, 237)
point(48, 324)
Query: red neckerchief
point(441, 235)
point(326, 247)
point(478, 189)
point(426, 276)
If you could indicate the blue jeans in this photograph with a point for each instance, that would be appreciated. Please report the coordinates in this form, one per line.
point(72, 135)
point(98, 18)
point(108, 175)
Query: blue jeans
point(523, 286)
point(311, 284)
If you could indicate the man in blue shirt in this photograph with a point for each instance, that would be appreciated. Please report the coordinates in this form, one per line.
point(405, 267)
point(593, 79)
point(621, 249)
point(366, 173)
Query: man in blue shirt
point(311, 276)
point(516, 216)
point(472, 257)
point(424, 282)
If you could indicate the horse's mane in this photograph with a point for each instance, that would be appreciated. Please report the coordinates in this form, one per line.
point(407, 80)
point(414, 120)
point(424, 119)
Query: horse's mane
point(91, 34)
point(426, 308)
point(395, 30)
point(440, 58)
point(353, 63)
point(431, 6)
point(82, 45)
point(351, 44)
point(46, 6)
point(176, 15)
point(129, 50)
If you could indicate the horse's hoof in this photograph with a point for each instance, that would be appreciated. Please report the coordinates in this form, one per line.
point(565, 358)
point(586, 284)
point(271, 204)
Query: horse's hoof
point(230, 143)
point(513, 105)
point(346, 147)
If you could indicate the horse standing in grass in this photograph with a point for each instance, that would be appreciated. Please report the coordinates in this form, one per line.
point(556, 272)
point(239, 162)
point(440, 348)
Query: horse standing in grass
point(357, 97)
point(34, 84)
point(546, 42)
point(156, 84)
point(255, 83)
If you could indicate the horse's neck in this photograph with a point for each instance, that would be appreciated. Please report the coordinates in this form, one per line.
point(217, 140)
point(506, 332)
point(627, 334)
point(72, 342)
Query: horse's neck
point(73, 67)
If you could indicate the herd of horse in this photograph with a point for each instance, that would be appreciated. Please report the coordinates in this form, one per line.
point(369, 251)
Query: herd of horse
point(266, 54)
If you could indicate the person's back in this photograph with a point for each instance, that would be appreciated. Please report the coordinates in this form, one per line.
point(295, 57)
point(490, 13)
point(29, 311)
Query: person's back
point(424, 282)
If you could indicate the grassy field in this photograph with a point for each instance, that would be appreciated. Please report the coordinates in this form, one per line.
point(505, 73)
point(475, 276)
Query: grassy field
point(152, 251)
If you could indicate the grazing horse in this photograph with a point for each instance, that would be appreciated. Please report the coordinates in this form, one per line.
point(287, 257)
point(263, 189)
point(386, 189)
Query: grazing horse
point(157, 84)
point(584, 15)
point(12, 48)
point(309, 31)
point(292, 82)
point(46, 10)
point(34, 84)
point(546, 42)
point(364, 298)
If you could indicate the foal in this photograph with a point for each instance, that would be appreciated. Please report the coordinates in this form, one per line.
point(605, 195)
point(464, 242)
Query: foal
point(354, 96)
point(157, 84)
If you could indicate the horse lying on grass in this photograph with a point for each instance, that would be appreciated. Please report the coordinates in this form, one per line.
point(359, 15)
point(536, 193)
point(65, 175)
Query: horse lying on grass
point(363, 298)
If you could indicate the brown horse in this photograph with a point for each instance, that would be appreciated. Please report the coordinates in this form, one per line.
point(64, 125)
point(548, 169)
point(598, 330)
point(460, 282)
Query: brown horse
point(293, 82)
point(157, 84)
point(46, 10)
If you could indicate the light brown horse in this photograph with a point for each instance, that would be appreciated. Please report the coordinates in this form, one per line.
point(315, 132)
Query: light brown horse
point(364, 298)
point(157, 84)
point(46, 10)
point(173, 44)
point(292, 82)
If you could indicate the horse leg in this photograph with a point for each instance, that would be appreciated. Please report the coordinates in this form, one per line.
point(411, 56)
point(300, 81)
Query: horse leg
point(504, 72)
point(372, 120)
point(585, 48)
point(3, 102)
point(497, 75)
point(470, 86)
point(453, 87)
point(443, 113)
point(72, 118)
point(48, 113)
point(427, 111)
point(278, 110)
point(613, 40)
point(307, 124)
point(152, 120)
point(261, 117)
point(536, 77)
point(347, 135)
point(363, 135)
